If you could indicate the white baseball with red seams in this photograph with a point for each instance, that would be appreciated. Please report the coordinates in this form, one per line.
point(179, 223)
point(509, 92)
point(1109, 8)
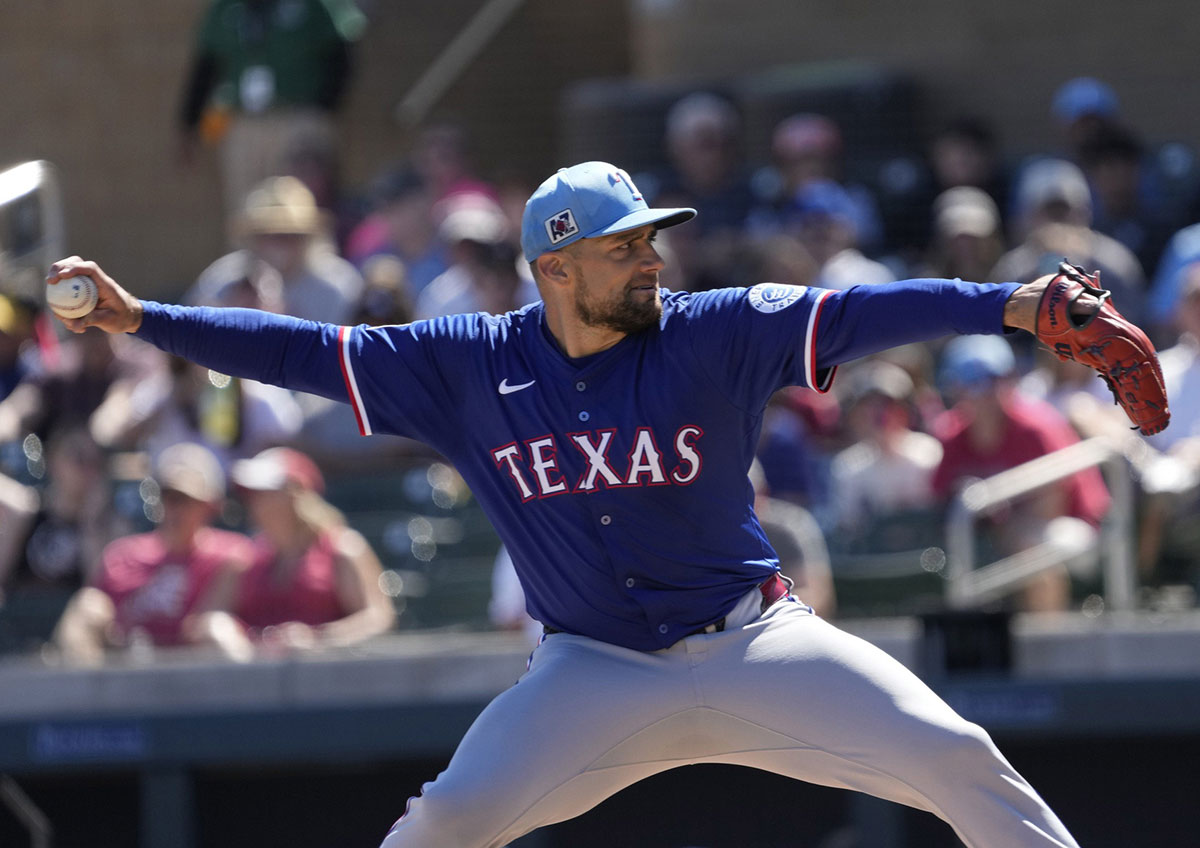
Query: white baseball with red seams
point(73, 297)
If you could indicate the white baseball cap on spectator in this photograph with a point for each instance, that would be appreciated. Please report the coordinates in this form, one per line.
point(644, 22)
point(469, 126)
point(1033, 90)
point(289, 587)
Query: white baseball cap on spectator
point(1053, 181)
point(191, 470)
point(966, 210)
point(275, 469)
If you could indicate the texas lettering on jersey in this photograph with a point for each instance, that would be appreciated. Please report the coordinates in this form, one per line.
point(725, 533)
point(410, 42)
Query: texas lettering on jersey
point(537, 467)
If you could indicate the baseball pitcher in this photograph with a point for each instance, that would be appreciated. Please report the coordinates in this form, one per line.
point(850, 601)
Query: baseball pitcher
point(607, 431)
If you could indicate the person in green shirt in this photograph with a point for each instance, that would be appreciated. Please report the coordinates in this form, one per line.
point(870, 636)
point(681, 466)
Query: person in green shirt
point(265, 80)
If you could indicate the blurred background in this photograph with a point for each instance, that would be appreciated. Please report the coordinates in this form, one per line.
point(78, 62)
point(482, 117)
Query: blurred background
point(228, 620)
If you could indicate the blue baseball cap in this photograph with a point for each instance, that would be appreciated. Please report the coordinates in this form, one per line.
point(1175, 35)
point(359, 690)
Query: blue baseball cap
point(1084, 96)
point(584, 201)
point(972, 361)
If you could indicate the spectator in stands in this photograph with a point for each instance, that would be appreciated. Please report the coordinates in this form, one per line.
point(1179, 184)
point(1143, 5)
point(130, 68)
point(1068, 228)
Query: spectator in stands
point(822, 217)
point(1082, 107)
point(1163, 307)
point(889, 468)
point(801, 432)
point(314, 581)
point(1170, 475)
point(402, 226)
point(703, 142)
point(1053, 218)
point(1077, 394)
point(59, 530)
point(16, 339)
point(483, 275)
point(918, 360)
point(387, 297)
point(706, 172)
point(990, 428)
point(314, 161)
point(1181, 369)
point(232, 417)
point(150, 586)
point(967, 235)
point(266, 75)
point(89, 369)
point(777, 257)
point(280, 225)
point(807, 148)
point(442, 157)
point(1125, 203)
point(965, 153)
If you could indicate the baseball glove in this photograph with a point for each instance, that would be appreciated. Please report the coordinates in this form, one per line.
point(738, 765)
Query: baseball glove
point(1106, 341)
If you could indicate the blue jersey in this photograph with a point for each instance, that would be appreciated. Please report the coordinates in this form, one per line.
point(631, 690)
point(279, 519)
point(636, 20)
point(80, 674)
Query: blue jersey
point(617, 481)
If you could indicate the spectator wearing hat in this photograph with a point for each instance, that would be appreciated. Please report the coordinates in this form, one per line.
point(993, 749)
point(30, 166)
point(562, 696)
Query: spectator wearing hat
point(703, 143)
point(889, 467)
point(822, 217)
point(1053, 219)
point(483, 275)
point(313, 579)
point(1083, 106)
point(706, 171)
point(150, 586)
point(808, 148)
point(967, 236)
point(280, 225)
point(992, 427)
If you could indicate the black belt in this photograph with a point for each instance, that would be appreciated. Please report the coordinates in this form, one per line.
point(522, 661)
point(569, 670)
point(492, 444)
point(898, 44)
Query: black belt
point(773, 589)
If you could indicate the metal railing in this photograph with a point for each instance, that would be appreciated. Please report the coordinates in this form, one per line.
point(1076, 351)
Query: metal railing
point(12, 796)
point(969, 584)
point(454, 59)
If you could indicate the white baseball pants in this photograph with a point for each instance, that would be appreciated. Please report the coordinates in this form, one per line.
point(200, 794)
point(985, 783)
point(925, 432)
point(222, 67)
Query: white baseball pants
point(787, 693)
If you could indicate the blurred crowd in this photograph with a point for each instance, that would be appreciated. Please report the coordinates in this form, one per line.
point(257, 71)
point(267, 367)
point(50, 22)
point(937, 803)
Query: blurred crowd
point(231, 544)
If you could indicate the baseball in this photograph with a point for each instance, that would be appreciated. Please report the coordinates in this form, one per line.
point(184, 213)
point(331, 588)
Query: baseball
point(73, 297)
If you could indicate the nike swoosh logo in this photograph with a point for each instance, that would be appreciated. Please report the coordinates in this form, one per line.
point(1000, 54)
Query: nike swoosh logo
point(506, 389)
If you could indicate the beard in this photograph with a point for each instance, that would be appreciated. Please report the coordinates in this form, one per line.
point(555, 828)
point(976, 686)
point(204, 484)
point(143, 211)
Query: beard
point(628, 311)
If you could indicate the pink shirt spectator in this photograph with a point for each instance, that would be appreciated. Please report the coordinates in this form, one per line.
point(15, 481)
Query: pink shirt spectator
point(1032, 429)
point(309, 595)
point(155, 589)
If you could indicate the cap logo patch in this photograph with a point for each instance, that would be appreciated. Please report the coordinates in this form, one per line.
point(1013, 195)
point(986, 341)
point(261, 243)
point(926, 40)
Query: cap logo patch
point(773, 297)
point(619, 176)
point(561, 226)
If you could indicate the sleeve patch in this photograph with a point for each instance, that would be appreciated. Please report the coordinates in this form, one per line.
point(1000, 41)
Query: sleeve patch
point(774, 297)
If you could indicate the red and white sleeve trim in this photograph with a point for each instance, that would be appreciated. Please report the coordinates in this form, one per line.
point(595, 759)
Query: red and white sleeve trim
point(356, 401)
point(810, 348)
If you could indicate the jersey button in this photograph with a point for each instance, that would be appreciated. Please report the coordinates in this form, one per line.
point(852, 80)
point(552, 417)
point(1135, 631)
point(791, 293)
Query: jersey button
point(583, 416)
point(629, 581)
point(662, 628)
point(580, 386)
point(606, 520)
